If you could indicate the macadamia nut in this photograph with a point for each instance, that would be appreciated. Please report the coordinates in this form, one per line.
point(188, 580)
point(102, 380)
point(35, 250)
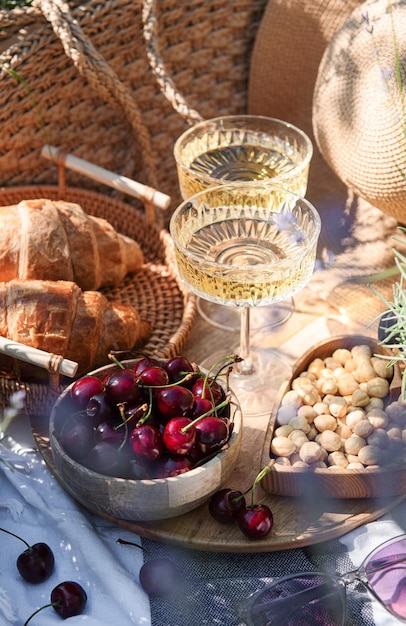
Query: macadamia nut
point(282, 446)
point(336, 415)
point(310, 452)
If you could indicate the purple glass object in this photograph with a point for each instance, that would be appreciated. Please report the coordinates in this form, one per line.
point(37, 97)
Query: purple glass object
point(320, 600)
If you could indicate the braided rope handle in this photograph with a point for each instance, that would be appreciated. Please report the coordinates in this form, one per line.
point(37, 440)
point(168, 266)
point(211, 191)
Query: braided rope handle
point(166, 84)
point(91, 64)
point(13, 20)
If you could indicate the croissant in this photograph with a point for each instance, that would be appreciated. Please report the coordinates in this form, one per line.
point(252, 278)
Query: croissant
point(58, 317)
point(56, 240)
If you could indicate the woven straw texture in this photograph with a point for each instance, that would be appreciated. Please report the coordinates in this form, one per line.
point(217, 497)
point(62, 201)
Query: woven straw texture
point(155, 291)
point(358, 112)
point(88, 71)
point(281, 85)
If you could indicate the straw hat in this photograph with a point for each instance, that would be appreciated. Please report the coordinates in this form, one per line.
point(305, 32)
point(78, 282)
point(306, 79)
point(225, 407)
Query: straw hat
point(358, 121)
point(289, 46)
point(357, 237)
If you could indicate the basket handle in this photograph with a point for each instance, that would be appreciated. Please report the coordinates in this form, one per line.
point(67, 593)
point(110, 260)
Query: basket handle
point(53, 363)
point(92, 65)
point(131, 187)
point(165, 82)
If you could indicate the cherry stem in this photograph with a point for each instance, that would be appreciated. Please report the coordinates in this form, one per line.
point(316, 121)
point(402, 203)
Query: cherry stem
point(228, 362)
point(131, 543)
point(121, 408)
point(143, 407)
point(258, 479)
point(148, 409)
point(116, 361)
point(234, 358)
point(46, 606)
point(17, 537)
point(185, 379)
point(210, 412)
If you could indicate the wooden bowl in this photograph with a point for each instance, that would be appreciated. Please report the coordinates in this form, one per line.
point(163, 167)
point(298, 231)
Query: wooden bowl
point(141, 500)
point(370, 482)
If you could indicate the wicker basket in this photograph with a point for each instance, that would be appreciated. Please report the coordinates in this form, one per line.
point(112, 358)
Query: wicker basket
point(155, 291)
point(91, 82)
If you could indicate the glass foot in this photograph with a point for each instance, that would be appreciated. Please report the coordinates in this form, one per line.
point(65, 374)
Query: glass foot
point(261, 317)
point(256, 392)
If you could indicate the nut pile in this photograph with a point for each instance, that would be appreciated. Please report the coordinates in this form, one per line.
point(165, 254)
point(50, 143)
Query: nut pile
point(334, 415)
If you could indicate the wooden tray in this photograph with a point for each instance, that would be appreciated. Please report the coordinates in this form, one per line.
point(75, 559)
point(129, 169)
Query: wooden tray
point(296, 523)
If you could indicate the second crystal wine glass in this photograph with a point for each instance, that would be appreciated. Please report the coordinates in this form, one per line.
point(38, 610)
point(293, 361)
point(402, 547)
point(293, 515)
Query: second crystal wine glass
point(246, 246)
point(237, 149)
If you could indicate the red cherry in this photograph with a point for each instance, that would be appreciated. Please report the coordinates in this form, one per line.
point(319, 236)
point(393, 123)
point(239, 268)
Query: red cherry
point(36, 563)
point(68, 599)
point(105, 458)
point(255, 521)
point(154, 376)
point(170, 465)
point(143, 364)
point(211, 433)
point(84, 388)
point(121, 386)
point(133, 414)
point(178, 367)
point(225, 505)
point(77, 437)
point(98, 409)
point(105, 431)
point(174, 401)
point(195, 455)
point(200, 407)
point(146, 442)
point(208, 388)
point(176, 439)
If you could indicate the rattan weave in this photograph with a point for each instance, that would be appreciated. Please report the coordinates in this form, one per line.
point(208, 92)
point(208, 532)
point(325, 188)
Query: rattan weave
point(103, 103)
point(155, 291)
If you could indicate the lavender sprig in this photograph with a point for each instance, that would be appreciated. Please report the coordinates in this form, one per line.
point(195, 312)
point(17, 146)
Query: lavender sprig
point(396, 315)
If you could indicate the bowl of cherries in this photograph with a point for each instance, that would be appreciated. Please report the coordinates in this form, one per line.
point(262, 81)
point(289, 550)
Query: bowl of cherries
point(146, 439)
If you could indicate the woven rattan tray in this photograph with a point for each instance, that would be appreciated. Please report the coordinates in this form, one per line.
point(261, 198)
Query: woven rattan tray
point(156, 291)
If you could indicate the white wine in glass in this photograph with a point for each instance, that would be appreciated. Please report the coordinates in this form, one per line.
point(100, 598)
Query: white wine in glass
point(246, 246)
point(238, 149)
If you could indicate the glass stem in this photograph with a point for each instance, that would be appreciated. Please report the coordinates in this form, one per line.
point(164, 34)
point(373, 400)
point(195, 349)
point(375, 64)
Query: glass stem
point(246, 366)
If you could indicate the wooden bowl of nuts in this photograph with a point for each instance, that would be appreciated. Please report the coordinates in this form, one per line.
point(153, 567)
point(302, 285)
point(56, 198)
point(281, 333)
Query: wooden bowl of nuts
point(338, 428)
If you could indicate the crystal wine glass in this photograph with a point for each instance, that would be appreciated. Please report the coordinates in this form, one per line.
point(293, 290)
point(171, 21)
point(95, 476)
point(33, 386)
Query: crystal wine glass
point(246, 246)
point(236, 149)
